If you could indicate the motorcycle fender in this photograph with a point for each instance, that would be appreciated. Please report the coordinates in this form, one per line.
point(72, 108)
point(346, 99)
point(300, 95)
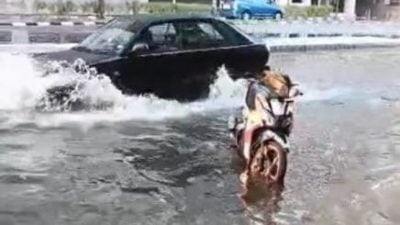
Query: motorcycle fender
point(269, 135)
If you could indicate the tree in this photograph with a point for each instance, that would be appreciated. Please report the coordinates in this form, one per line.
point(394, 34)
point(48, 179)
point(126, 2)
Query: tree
point(101, 8)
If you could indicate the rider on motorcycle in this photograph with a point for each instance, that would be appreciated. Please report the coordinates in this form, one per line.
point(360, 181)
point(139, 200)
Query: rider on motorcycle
point(271, 84)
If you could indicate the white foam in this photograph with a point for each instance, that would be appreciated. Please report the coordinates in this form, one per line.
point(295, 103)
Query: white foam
point(317, 94)
point(34, 48)
point(330, 41)
point(22, 85)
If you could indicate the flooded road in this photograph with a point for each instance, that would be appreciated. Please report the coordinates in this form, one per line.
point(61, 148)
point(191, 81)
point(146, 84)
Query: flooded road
point(150, 161)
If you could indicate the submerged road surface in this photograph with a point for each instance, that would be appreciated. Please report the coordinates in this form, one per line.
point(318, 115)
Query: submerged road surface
point(150, 161)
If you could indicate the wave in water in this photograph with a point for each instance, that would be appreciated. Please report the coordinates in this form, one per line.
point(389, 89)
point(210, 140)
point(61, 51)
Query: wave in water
point(23, 84)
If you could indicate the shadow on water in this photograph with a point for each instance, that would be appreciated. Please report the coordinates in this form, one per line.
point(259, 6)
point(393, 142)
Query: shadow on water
point(259, 199)
point(175, 156)
point(261, 202)
point(176, 167)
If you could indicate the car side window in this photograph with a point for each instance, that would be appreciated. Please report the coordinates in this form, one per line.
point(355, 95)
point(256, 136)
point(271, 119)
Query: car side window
point(211, 32)
point(198, 35)
point(159, 38)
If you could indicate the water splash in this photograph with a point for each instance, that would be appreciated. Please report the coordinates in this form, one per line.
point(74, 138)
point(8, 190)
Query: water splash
point(24, 85)
point(20, 82)
point(312, 93)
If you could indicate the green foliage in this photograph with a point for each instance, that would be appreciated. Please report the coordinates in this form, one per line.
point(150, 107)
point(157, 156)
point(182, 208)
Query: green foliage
point(308, 11)
point(88, 7)
point(71, 6)
point(133, 6)
point(319, 11)
point(59, 7)
point(39, 5)
point(197, 8)
point(64, 7)
point(165, 8)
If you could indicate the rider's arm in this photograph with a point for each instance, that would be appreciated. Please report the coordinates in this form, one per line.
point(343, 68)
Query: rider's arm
point(261, 102)
point(262, 95)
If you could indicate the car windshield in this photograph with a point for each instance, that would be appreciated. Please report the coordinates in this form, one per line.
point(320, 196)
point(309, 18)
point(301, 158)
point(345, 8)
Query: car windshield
point(107, 41)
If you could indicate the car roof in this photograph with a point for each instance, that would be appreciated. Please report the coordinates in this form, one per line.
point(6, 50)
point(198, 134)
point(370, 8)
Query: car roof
point(140, 21)
point(149, 18)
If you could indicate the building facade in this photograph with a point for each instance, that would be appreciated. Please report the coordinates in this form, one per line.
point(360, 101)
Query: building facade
point(352, 9)
point(378, 9)
point(347, 7)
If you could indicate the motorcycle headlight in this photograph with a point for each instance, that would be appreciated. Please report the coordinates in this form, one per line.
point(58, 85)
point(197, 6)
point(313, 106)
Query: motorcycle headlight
point(294, 91)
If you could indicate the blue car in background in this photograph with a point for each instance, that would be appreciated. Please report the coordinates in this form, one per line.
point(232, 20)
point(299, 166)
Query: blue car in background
point(247, 9)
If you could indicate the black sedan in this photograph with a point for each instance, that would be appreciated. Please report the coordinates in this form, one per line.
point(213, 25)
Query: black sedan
point(173, 57)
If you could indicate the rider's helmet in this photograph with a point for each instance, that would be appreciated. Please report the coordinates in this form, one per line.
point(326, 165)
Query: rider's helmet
point(280, 86)
point(278, 82)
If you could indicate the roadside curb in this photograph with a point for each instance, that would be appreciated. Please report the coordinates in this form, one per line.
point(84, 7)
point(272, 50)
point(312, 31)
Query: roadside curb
point(312, 35)
point(52, 23)
point(100, 23)
point(92, 21)
point(75, 35)
point(75, 32)
point(328, 47)
point(289, 21)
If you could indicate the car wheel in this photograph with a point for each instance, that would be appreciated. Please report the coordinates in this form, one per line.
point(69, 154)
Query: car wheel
point(278, 16)
point(246, 15)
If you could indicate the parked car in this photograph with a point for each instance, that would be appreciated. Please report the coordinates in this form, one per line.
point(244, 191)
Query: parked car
point(247, 9)
point(173, 57)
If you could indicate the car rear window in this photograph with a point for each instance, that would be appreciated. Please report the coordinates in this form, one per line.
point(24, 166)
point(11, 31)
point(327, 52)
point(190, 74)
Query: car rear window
point(233, 36)
point(207, 34)
point(198, 35)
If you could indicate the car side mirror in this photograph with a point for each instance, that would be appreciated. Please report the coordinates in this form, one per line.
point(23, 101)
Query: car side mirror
point(140, 47)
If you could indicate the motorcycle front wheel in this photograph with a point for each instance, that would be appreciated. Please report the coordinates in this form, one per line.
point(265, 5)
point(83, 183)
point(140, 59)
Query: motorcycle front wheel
point(270, 162)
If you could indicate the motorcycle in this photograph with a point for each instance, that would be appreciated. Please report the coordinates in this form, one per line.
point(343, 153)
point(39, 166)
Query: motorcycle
point(269, 144)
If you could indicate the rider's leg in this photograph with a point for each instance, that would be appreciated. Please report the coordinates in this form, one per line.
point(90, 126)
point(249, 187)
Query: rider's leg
point(232, 123)
point(247, 142)
point(236, 122)
point(253, 121)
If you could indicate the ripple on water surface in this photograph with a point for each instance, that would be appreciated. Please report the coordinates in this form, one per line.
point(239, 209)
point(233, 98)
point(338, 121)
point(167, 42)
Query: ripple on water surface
point(150, 161)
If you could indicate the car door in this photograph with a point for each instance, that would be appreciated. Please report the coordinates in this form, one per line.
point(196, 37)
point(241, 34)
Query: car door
point(198, 58)
point(149, 68)
point(175, 63)
point(258, 7)
point(220, 45)
point(268, 7)
point(239, 54)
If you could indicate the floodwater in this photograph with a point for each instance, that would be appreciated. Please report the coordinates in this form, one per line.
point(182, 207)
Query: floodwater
point(149, 161)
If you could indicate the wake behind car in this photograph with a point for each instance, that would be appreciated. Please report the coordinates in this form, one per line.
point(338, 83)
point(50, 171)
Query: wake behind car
point(172, 57)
